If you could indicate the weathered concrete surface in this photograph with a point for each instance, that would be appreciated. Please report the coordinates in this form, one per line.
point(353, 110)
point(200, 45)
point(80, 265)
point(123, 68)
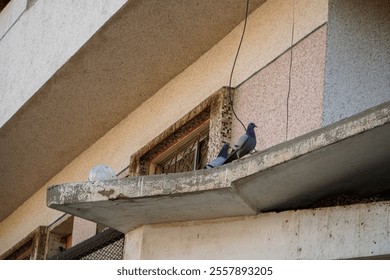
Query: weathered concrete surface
point(339, 232)
point(352, 155)
point(128, 203)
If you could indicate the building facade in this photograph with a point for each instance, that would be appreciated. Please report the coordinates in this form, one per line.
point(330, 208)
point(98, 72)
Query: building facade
point(152, 90)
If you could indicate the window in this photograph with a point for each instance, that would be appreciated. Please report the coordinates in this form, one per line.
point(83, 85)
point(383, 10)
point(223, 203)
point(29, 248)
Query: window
point(190, 143)
point(188, 155)
point(32, 247)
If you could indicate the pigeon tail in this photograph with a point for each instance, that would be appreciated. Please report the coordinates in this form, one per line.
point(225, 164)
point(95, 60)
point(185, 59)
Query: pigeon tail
point(220, 159)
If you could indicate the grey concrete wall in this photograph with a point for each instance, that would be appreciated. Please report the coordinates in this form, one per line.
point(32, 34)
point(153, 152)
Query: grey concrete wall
point(341, 232)
point(357, 74)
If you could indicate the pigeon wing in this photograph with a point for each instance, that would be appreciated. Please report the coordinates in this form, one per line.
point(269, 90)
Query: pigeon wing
point(237, 147)
point(241, 142)
point(247, 147)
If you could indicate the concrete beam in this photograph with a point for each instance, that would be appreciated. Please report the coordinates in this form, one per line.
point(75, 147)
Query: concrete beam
point(351, 156)
point(339, 232)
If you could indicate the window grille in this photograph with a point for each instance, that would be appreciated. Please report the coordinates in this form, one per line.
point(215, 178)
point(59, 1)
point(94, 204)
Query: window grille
point(190, 156)
point(166, 153)
point(107, 245)
point(113, 251)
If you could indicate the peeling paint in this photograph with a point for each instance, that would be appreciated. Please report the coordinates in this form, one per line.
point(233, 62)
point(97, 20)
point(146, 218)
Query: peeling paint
point(106, 193)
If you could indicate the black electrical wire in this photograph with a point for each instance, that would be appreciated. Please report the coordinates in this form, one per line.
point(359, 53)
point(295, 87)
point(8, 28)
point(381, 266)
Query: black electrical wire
point(234, 64)
point(123, 170)
point(290, 70)
point(59, 218)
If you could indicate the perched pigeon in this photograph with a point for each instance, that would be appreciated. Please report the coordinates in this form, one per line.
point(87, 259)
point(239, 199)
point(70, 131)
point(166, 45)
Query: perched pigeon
point(220, 159)
point(101, 172)
point(245, 144)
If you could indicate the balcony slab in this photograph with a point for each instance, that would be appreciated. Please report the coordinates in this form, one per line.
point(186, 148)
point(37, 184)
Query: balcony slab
point(351, 156)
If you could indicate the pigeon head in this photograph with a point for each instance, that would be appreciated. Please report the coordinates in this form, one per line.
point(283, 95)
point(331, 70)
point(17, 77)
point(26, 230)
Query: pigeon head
point(251, 129)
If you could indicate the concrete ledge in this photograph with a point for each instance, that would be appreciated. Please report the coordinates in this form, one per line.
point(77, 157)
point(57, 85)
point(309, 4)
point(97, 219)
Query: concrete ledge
point(351, 156)
point(339, 232)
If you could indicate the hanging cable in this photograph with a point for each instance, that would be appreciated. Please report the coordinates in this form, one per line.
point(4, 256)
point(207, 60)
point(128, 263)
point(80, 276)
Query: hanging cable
point(123, 170)
point(290, 69)
point(234, 65)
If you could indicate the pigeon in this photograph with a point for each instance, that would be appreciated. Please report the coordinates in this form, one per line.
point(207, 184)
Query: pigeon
point(221, 157)
point(101, 172)
point(245, 144)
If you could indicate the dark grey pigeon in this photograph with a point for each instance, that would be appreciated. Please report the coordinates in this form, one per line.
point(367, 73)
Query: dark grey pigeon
point(245, 144)
point(220, 159)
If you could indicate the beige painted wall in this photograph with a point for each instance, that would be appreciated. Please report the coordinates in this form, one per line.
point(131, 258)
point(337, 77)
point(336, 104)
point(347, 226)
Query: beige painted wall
point(268, 36)
point(359, 230)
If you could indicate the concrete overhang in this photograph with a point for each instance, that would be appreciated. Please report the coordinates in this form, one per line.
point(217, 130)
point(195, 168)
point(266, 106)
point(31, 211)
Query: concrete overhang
point(134, 54)
point(351, 156)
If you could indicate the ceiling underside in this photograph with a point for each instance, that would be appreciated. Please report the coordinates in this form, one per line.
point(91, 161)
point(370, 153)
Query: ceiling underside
point(141, 48)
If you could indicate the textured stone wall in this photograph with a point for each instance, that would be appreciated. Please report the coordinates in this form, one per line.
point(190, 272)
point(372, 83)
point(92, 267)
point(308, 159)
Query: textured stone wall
point(220, 121)
point(285, 98)
point(357, 57)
